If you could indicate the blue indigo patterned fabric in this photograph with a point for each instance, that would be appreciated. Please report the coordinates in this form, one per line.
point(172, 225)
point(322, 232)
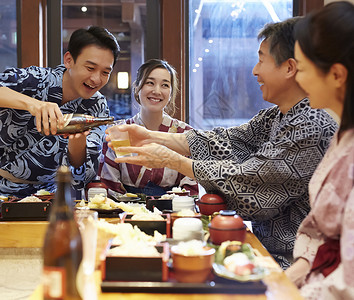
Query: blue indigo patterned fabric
point(263, 168)
point(29, 155)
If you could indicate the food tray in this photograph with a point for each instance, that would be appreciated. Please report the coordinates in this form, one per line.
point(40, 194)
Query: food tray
point(137, 268)
point(216, 286)
point(108, 213)
point(25, 211)
point(102, 213)
point(160, 204)
point(128, 199)
point(149, 226)
point(217, 283)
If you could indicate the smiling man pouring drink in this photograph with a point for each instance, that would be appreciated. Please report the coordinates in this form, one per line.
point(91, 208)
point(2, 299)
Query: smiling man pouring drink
point(34, 99)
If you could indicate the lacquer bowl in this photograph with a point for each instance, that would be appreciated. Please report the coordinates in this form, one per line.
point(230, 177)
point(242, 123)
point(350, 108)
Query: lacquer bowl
point(192, 268)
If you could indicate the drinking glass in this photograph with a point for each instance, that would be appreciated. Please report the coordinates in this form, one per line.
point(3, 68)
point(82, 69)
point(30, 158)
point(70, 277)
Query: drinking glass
point(87, 220)
point(118, 138)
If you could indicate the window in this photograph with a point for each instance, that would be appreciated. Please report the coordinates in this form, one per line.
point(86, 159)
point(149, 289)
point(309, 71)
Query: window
point(8, 34)
point(223, 49)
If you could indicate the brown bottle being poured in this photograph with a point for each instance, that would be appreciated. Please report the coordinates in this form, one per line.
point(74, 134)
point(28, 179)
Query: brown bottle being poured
point(75, 123)
point(62, 250)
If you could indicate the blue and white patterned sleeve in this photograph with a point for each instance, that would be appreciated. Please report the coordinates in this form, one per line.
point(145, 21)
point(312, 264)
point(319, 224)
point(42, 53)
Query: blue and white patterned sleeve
point(24, 80)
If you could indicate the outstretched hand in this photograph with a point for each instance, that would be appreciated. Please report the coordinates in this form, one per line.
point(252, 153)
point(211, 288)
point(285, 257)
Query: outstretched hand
point(147, 145)
point(152, 156)
point(138, 135)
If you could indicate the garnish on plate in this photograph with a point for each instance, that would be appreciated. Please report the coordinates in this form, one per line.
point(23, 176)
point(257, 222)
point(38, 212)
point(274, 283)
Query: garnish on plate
point(237, 261)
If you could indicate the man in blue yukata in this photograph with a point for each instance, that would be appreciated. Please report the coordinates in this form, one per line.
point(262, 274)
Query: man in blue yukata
point(30, 97)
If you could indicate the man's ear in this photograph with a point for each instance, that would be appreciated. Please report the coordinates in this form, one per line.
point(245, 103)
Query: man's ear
point(68, 60)
point(339, 74)
point(291, 67)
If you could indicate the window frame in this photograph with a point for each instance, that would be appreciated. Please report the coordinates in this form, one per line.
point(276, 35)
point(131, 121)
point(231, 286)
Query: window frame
point(38, 49)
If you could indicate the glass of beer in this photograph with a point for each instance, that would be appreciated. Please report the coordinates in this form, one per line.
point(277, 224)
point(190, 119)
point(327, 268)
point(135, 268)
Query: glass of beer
point(118, 138)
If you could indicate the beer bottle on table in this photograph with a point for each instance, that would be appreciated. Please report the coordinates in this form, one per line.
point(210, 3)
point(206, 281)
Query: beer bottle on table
point(76, 123)
point(62, 249)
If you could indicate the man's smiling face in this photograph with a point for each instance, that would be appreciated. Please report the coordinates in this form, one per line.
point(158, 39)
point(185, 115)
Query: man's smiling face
point(269, 75)
point(89, 73)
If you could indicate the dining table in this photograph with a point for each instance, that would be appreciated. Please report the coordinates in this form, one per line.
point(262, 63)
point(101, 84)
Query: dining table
point(27, 234)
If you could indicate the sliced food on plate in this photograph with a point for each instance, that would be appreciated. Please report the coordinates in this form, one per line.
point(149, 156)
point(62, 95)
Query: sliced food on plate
point(238, 261)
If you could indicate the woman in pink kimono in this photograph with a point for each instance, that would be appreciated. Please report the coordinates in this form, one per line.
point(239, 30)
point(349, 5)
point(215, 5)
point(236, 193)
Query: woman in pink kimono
point(324, 247)
point(155, 89)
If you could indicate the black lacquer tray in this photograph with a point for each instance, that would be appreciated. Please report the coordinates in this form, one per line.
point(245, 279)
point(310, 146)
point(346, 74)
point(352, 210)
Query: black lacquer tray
point(216, 286)
point(25, 211)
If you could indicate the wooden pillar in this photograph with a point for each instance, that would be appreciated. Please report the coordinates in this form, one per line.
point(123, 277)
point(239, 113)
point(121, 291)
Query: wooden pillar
point(305, 6)
point(32, 33)
point(128, 11)
point(172, 26)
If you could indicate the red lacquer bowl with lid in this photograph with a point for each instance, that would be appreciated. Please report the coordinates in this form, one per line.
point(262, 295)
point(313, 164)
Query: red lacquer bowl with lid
point(210, 203)
point(227, 226)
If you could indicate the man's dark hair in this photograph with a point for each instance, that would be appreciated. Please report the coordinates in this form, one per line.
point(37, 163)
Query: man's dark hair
point(94, 35)
point(280, 37)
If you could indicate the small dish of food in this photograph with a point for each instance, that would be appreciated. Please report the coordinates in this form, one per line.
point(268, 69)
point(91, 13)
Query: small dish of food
point(4, 198)
point(101, 204)
point(237, 261)
point(124, 198)
point(192, 261)
point(186, 229)
point(184, 213)
point(179, 191)
point(44, 195)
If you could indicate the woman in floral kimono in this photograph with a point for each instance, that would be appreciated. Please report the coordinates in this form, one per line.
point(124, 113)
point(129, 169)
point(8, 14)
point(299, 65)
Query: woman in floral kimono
point(324, 248)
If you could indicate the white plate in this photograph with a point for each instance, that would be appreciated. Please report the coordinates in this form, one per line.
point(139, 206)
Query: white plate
point(221, 271)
